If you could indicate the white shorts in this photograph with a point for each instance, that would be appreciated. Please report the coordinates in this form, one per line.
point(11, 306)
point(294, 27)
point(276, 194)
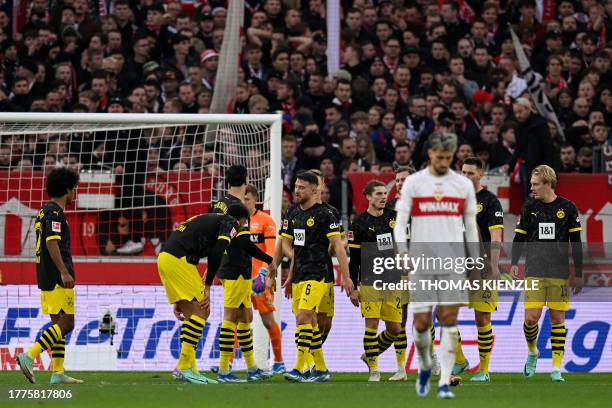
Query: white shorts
point(437, 290)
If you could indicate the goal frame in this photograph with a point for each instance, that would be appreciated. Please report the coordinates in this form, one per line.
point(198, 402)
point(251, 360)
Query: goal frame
point(272, 120)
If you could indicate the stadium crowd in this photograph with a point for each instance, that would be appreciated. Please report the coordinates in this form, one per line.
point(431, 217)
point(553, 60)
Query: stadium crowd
point(408, 68)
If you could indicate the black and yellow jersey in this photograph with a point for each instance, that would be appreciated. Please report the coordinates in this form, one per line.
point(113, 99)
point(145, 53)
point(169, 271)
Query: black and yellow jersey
point(547, 228)
point(196, 236)
point(310, 231)
point(51, 225)
point(489, 214)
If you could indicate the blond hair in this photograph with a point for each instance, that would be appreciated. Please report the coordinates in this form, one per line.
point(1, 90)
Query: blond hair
point(547, 174)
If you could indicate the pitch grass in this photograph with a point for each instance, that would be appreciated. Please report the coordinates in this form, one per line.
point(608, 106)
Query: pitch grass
point(151, 390)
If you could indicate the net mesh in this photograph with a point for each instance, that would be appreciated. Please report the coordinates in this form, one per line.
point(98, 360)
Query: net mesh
point(137, 180)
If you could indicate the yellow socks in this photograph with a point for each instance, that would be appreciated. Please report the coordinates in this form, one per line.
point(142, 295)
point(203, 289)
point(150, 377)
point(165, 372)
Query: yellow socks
point(316, 351)
point(190, 336)
point(531, 335)
point(485, 346)
point(245, 338)
point(557, 342)
point(460, 357)
point(304, 332)
point(47, 339)
point(370, 347)
point(226, 345)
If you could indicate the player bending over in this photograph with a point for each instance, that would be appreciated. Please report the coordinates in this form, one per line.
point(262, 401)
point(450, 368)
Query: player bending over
point(55, 276)
point(198, 237)
point(548, 223)
point(374, 229)
point(440, 203)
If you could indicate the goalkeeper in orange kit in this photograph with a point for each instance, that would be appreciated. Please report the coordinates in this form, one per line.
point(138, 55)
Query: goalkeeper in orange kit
point(263, 234)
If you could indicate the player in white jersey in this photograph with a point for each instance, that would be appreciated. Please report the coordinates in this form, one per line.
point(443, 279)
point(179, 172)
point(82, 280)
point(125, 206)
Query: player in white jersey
point(440, 203)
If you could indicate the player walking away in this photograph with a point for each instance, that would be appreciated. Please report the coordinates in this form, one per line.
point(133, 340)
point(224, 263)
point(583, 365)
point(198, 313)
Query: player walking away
point(401, 340)
point(198, 237)
point(235, 276)
point(490, 220)
point(55, 276)
point(263, 234)
point(374, 227)
point(440, 203)
point(549, 222)
point(310, 229)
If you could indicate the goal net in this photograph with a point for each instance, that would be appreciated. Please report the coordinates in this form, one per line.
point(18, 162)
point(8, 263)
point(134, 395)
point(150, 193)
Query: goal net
point(140, 175)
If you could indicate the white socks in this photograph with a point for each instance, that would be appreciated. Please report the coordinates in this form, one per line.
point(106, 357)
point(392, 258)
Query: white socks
point(422, 343)
point(448, 352)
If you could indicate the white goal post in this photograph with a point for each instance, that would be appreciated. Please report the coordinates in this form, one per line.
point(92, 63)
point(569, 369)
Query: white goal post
point(130, 164)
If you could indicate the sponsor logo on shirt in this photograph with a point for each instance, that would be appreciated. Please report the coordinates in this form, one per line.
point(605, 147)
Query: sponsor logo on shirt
point(56, 226)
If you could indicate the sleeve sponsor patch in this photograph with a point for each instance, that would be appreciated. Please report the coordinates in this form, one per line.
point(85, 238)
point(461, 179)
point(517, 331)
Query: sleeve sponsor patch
point(350, 235)
point(285, 223)
point(233, 233)
point(56, 226)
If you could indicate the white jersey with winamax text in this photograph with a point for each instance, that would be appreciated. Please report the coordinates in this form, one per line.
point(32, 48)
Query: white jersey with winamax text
point(437, 205)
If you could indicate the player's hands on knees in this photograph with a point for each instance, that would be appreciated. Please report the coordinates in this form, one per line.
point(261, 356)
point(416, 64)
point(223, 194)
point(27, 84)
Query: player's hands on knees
point(205, 303)
point(514, 270)
point(347, 285)
point(67, 280)
point(177, 313)
point(355, 297)
point(577, 283)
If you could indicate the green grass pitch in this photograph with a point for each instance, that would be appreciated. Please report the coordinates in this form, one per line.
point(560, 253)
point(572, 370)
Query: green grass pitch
point(151, 390)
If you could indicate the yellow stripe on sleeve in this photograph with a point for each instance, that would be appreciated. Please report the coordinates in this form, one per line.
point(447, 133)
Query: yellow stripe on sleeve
point(520, 231)
point(496, 226)
point(285, 235)
point(243, 233)
point(228, 239)
point(52, 237)
point(334, 233)
point(354, 246)
point(570, 230)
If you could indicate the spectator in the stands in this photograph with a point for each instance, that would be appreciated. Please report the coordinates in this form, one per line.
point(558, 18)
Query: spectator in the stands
point(584, 160)
point(568, 159)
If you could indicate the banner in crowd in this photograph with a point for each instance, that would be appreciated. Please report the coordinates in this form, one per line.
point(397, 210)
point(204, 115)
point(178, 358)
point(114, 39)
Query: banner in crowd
point(147, 333)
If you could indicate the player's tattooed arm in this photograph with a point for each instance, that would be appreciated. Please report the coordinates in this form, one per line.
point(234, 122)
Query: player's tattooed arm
point(56, 257)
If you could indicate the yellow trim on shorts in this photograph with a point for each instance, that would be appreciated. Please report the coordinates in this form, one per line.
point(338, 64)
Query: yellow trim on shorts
point(334, 233)
point(570, 230)
point(354, 245)
point(520, 231)
point(496, 226)
point(228, 239)
point(49, 238)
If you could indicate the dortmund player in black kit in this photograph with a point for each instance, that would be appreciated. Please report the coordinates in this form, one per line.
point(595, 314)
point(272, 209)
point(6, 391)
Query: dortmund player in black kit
point(235, 275)
point(490, 220)
point(374, 227)
point(549, 224)
point(55, 276)
point(401, 340)
point(311, 229)
point(206, 235)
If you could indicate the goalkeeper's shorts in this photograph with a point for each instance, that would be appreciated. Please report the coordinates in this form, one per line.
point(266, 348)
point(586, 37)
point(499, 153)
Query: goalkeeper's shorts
point(264, 303)
point(327, 302)
point(181, 279)
point(57, 300)
point(237, 292)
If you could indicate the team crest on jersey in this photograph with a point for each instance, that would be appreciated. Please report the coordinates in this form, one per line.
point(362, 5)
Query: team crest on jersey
point(56, 226)
point(560, 214)
point(392, 223)
point(479, 207)
point(438, 194)
point(310, 222)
